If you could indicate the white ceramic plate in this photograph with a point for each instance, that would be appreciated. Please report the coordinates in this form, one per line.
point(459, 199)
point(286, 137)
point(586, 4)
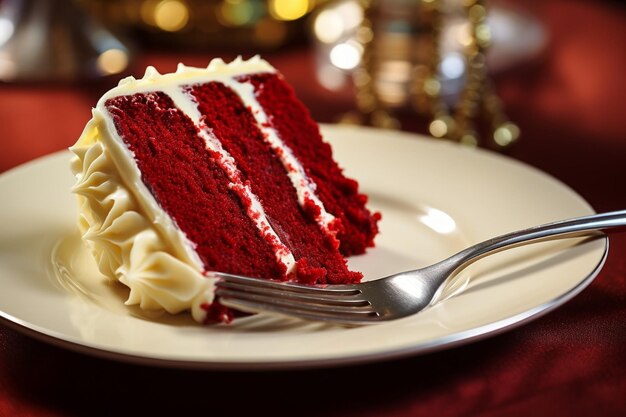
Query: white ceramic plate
point(435, 197)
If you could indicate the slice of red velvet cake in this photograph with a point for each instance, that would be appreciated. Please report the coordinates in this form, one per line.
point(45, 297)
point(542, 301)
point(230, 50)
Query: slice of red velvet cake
point(213, 169)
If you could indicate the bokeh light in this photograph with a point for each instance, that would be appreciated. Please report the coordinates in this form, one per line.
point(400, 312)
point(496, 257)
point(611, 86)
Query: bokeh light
point(171, 15)
point(506, 134)
point(289, 9)
point(328, 26)
point(452, 65)
point(346, 55)
point(112, 61)
point(6, 29)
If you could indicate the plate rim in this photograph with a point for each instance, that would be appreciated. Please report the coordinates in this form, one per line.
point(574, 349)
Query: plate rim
point(256, 364)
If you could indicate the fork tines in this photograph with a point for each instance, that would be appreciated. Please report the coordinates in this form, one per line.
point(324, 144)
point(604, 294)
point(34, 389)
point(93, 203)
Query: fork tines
point(337, 303)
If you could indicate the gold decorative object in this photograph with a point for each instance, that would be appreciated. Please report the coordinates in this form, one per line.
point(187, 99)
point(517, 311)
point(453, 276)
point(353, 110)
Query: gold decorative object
point(475, 110)
point(370, 109)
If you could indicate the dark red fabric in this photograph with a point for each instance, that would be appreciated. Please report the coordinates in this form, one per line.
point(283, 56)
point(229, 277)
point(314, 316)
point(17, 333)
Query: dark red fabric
point(572, 362)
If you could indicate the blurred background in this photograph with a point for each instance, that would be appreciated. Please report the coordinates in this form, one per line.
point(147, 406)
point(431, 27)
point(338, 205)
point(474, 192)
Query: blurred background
point(519, 77)
point(541, 81)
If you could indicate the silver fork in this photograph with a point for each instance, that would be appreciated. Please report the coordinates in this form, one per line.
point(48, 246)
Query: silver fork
point(392, 297)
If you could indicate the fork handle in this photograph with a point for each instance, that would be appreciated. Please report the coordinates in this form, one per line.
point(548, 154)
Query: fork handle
point(563, 228)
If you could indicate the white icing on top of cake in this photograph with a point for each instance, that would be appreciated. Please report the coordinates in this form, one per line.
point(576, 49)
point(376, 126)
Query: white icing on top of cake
point(150, 254)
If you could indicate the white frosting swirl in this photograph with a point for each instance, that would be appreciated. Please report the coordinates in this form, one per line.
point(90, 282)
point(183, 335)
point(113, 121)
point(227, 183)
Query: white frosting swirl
point(126, 246)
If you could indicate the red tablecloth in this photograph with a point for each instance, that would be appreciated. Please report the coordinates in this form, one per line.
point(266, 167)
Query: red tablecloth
point(572, 362)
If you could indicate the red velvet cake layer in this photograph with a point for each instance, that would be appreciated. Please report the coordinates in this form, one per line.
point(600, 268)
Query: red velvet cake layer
point(297, 130)
point(318, 260)
point(189, 185)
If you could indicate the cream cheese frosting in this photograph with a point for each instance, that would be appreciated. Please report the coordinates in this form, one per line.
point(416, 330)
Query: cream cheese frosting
point(132, 239)
point(127, 245)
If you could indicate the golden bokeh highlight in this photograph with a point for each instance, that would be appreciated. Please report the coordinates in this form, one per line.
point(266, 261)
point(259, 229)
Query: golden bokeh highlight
point(438, 128)
point(464, 34)
point(506, 134)
point(483, 35)
point(112, 61)
point(289, 9)
point(432, 86)
point(328, 26)
point(171, 15)
point(346, 55)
